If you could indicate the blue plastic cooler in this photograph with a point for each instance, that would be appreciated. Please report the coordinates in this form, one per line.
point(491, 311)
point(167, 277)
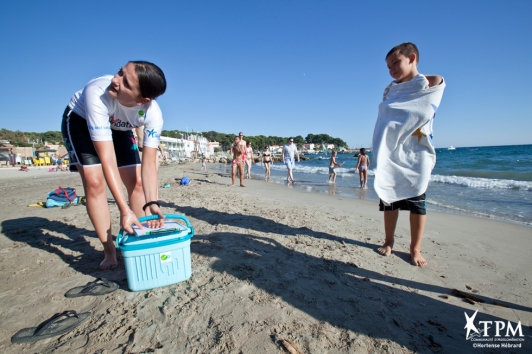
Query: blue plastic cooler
point(157, 257)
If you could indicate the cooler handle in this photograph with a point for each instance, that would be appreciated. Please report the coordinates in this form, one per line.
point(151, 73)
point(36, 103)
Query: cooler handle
point(153, 217)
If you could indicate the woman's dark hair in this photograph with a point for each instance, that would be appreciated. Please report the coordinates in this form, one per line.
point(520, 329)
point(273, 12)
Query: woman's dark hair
point(363, 151)
point(152, 82)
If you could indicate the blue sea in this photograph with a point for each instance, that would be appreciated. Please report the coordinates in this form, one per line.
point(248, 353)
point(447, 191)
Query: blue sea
point(491, 181)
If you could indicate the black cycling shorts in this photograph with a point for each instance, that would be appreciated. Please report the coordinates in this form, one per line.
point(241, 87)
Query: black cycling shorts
point(81, 149)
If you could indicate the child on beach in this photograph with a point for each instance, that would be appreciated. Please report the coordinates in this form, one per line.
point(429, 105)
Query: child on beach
point(239, 158)
point(402, 146)
point(204, 164)
point(362, 167)
point(332, 165)
point(61, 167)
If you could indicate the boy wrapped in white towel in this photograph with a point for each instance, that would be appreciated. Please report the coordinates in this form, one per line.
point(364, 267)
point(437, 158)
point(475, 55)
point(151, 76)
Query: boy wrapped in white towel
point(402, 145)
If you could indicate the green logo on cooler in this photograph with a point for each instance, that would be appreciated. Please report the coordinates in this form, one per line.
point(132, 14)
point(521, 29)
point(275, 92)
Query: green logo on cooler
point(165, 257)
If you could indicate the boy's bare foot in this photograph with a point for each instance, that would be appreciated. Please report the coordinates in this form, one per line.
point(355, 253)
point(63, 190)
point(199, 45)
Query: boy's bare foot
point(386, 249)
point(109, 262)
point(417, 258)
point(242, 185)
point(232, 185)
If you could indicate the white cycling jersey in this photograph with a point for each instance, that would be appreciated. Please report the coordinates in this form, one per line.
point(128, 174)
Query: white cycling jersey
point(104, 113)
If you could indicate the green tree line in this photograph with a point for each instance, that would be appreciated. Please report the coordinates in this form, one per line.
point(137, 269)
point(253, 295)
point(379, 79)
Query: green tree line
point(18, 138)
point(258, 142)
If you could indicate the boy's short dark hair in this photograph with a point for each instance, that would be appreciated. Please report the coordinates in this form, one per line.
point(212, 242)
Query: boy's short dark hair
point(406, 49)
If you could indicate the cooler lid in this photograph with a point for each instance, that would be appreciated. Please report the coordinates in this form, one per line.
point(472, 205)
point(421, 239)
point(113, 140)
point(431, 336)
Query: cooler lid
point(171, 231)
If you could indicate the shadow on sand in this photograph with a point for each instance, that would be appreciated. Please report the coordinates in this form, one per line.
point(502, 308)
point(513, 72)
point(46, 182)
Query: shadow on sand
point(71, 247)
point(344, 295)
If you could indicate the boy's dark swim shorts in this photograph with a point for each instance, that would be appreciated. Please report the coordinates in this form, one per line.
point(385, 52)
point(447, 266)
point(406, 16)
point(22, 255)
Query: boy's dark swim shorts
point(416, 205)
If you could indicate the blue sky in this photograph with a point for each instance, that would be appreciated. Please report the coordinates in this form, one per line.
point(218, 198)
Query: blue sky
point(276, 67)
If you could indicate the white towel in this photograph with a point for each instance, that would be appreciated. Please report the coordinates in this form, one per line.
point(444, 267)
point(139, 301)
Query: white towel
point(402, 140)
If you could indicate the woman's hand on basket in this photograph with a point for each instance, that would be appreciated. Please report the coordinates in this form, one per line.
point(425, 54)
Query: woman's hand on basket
point(127, 219)
point(155, 210)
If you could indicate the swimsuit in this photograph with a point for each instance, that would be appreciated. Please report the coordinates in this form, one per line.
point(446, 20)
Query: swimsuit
point(243, 156)
point(268, 156)
point(364, 160)
point(416, 205)
point(239, 162)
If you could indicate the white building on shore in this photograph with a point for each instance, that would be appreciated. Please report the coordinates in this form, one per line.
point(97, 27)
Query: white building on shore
point(173, 147)
point(188, 146)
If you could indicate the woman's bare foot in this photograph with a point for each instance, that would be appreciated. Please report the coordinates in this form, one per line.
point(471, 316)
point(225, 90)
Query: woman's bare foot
point(232, 185)
point(109, 262)
point(417, 258)
point(386, 249)
point(242, 185)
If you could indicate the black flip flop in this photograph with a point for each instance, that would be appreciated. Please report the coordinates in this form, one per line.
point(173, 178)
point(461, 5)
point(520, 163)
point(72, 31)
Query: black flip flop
point(60, 323)
point(100, 286)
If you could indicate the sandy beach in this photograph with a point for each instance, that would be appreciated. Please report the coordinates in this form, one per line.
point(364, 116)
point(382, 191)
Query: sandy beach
point(274, 269)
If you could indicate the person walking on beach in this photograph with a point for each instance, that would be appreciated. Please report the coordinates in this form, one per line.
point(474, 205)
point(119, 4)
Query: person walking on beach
point(402, 148)
point(249, 158)
point(289, 152)
point(243, 143)
point(97, 131)
point(12, 159)
point(332, 166)
point(239, 156)
point(266, 161)
point(362, 168)
point(204, 164)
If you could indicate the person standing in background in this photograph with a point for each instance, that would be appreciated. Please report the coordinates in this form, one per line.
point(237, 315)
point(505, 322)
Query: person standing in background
point(289, 153)
point(249, 159)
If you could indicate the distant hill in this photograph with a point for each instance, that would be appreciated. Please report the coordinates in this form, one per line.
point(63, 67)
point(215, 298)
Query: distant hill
point(18, 138)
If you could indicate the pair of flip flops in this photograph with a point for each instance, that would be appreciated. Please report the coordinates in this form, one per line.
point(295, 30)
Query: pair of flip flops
point(63, 322)
point(100, 286)
point(60, 323)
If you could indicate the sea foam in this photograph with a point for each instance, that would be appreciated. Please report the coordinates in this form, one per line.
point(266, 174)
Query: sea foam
point(475, 182)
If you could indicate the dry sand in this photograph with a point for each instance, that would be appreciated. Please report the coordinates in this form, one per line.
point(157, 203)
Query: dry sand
point(271, 266)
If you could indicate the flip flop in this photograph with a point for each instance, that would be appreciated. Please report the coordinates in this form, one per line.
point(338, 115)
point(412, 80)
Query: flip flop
point(59, 324)
point(100, 286)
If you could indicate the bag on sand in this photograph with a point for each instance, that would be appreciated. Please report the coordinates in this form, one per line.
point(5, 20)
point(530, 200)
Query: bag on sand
point(62, 197)
point(185, 181)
